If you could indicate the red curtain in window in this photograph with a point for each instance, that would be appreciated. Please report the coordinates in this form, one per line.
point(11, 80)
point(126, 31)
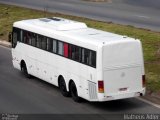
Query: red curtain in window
point(65, 49)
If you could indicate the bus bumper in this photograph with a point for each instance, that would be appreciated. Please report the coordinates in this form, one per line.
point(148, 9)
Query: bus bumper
point(121, 95)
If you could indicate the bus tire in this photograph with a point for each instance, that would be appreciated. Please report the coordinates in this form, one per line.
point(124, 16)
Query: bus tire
point(24, 70)
point(73, 91)
point(62, 87)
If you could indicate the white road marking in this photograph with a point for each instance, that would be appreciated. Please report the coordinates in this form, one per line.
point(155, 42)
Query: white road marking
point(148, 102)
point(142, 16)
point(5, 47)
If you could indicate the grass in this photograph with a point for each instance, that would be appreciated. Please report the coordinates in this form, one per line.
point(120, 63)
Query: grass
point(150, 40)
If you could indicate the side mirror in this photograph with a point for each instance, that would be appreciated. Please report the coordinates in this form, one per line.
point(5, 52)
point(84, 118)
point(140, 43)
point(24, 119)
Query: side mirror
point(10, 36)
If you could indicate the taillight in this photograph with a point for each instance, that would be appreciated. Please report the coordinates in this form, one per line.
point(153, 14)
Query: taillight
point(100, 87)
point(143, 80)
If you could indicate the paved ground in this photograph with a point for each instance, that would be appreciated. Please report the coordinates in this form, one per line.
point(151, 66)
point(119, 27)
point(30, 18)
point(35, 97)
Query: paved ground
point(139, 13)
point(33, 96)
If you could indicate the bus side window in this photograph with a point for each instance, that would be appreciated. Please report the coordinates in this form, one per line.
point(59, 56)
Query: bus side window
point(60, 48)
point(44, 42)
point(26, 37)
point(85, 56)
point(15, 37)
point(72, 49)
point(92, 58)
point(77, 53)
point(29, 36)
point(54, 46)
point(49, 44)
point(65, 45)
point(38, 42)
point(33, 39)
point(21, 39)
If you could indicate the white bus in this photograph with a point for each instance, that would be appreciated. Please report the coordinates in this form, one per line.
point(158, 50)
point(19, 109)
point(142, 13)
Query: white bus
point(83, 62)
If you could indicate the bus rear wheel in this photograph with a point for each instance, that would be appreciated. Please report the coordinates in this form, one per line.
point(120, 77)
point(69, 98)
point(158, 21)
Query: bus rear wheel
point(62, 86)
point(24, 70)
point(74, 94)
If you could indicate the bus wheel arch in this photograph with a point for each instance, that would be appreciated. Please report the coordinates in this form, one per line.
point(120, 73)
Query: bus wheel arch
point(22, 63)
point(73, 91)
point(24, 69)
point(62, 86)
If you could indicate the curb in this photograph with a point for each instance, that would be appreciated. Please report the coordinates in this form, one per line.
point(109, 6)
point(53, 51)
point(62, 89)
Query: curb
point(148, 102)
point(156, 96)
point(5, 43)
point(152, 97)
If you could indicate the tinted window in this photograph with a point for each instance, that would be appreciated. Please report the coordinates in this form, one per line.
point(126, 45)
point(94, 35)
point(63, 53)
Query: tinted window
point(27, 37)
point(60, 48)
point(65, 49)
point(34, 36)
point(49, 44)
point(54, 46)
point(72, 52)
point(38, 42)
point(16, 36)
point(21, 36)
point(43, 43)
point(92, 58)
point(24, 36)
point(75, 52)
point(85, 56)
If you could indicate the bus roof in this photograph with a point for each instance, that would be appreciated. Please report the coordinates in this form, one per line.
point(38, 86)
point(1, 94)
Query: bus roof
point(71, 29)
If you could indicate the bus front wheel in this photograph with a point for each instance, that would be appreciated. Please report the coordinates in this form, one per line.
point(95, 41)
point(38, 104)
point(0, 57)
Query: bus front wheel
point(24, 70)
point(73, 91)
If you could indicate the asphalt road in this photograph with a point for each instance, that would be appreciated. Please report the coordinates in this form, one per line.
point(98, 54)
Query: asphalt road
point(139, 13)
point(34, 96)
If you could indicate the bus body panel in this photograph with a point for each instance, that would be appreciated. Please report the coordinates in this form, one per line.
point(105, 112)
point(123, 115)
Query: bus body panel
point(123, 68)
point(119, 60)
point(49, 67)
point(122, 80)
